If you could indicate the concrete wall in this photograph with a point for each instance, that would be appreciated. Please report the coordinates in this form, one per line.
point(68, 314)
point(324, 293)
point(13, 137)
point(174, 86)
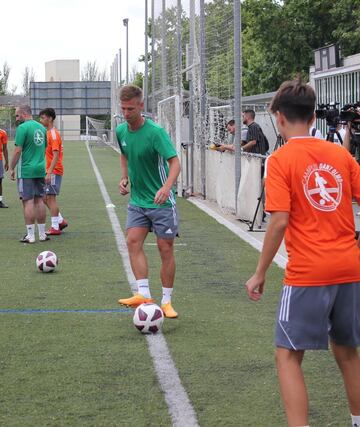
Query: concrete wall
point(65, 70)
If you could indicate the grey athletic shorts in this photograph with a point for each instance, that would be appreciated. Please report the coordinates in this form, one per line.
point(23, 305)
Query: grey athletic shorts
point(29, 188)
point(53, 189)
point(1, 169)
point(309, 315)
point(163, 221)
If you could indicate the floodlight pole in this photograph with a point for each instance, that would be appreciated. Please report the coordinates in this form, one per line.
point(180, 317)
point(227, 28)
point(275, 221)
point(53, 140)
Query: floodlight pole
point(146, 71)
point(126, 24)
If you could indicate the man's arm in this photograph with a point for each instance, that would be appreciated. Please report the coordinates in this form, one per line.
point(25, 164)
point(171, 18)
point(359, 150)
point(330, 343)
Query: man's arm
point(248, 146)
point(226, 147)
point(174, 169)
point(52, 166)
point(6, 157)
point(124, 180)
point(14, 160)
point(347, 137)
point(273, 238)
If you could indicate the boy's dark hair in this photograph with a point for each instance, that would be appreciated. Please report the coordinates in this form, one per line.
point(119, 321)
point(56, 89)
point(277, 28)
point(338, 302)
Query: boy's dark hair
point(251, 113)
point(230, 122)
point(128, 92)
point(296, 100)
point(48, 112)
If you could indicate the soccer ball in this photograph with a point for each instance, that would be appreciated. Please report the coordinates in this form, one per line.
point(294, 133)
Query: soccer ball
point(46, 261)
point(148, 318)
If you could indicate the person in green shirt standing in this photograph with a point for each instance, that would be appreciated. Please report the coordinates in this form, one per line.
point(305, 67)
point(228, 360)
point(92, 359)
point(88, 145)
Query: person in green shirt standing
point(29, 157)
point(149, 161)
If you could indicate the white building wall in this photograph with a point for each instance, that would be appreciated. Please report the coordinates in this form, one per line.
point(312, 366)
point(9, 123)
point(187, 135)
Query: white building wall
point(65, 70)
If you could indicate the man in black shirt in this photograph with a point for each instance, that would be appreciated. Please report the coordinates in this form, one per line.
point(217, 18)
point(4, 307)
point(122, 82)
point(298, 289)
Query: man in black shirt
point(256, 140)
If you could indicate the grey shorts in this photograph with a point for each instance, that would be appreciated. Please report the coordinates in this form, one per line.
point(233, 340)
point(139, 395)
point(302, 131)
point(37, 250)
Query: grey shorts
point(309, 315)
point(29, 188)
point(1, 169)
point(163, 221)
point(53, 189)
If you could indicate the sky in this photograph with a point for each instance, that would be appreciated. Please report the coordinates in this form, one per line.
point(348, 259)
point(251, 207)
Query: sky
point(32, 33)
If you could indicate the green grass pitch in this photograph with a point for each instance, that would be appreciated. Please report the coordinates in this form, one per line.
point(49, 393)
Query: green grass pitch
point(94, 369)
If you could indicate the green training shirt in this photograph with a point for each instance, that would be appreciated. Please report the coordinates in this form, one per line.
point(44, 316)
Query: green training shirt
point(31, 137)
point(147, 151)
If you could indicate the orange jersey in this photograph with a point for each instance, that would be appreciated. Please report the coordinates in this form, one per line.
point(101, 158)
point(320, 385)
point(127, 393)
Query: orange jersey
point(54, 143)
point(3, 141)
point(315, 181)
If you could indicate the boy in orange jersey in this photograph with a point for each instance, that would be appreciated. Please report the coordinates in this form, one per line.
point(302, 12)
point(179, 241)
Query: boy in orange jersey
point(3, 166)
point(54, 171)
point(309, 185)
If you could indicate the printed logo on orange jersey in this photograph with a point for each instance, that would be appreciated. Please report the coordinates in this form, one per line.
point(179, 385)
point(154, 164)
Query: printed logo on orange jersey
point(322, 185)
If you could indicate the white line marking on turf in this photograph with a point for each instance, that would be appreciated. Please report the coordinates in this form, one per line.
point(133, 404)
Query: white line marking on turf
point(180, 408)
point(280, 260)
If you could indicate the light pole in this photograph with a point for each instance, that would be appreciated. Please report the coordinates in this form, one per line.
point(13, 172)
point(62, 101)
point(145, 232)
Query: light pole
point(126, 24)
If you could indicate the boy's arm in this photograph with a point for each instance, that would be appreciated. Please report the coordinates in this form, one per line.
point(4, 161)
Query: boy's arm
point(124, 180)
point(273, 238)
point(6, 157)
point(174, 169)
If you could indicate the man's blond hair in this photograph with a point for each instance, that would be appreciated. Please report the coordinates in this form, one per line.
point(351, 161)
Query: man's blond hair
point(129, 92)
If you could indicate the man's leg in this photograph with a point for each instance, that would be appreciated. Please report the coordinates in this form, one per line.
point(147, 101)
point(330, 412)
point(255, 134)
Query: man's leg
point(29, 217)
point(292, 386)
point(135, 242)
point(348, 361)
point(167, 275)
point(40, 214)
point(29, 211)
point(2, 204)
point(167, 271)
point(51, 202)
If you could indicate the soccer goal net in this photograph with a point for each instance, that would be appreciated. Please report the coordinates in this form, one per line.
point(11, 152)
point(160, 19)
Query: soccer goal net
point(170, 118)
point(96, 132)
point(218, 119)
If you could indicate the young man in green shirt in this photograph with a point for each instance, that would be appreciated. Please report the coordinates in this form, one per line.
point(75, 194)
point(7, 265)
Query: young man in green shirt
point(149, 160)
point(29, 157)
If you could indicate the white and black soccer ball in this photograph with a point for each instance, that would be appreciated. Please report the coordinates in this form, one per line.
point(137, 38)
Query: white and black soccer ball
point(46, 261)
point(148, 318)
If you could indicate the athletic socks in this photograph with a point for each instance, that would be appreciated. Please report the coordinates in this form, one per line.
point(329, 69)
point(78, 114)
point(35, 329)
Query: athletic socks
point(55, 222)
point(1, 198)
point(60, 218)
point(41, 228)
point(143, 288)
point(166, 295)
point(30, 228)
point(355, 419)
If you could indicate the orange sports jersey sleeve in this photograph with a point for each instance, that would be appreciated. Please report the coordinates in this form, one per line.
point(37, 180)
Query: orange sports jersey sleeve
point(315, 181)
point(3, 141)
point(54, 143)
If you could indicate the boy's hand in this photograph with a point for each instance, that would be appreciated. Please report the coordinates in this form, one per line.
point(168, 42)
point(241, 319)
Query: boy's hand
point(255, 287)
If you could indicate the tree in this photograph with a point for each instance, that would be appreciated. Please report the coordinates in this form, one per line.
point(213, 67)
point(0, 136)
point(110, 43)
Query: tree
point(4, 78)
point(28, 76)
point(91, 72)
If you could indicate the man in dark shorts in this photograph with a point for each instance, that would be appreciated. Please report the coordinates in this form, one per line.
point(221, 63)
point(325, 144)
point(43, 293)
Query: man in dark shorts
point(29, 157)
point(149, 161)
point(310, 184)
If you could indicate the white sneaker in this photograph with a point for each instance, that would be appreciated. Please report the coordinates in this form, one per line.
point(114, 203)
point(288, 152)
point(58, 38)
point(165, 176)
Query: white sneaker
point(44, 238)
point(28, 239)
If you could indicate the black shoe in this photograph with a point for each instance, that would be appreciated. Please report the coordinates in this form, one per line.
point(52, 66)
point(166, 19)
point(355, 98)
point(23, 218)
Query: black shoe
point(2, 205)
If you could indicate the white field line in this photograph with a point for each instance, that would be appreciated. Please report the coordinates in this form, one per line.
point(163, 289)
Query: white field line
point(181, 411)
point(279, 259)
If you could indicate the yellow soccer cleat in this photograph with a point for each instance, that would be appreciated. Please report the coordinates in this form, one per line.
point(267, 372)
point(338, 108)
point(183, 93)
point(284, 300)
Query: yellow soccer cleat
point(135, 301)
point(168, 311)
